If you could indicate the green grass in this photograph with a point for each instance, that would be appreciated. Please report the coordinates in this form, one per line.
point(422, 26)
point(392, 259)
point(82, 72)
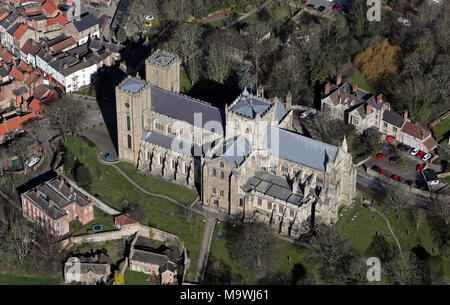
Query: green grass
point(442, 129)
point(99, 218)
point(114, 249)
point(217, 23)
point(253, 19)
point(110, 187)
point(223, 237)
point(358, 78)
point(136, 278)
point(15, 279)
point(159, 186)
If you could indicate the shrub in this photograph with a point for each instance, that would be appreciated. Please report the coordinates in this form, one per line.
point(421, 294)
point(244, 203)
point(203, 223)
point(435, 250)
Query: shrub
point(83, 176)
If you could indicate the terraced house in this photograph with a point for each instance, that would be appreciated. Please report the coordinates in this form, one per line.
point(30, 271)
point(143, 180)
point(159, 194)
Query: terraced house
point(244, 160)
point(365, 110)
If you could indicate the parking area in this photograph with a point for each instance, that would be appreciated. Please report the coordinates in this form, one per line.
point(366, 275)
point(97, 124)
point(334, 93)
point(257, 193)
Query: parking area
point(326, 6)
point(405, 167)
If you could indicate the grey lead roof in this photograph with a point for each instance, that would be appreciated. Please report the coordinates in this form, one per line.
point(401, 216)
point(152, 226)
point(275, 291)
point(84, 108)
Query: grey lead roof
point(175, 144)
point(235, 150)
point(133, 85)
point(272, 185)
point(249, 106)
point(183, 108)
point(393, 118)
point(297, 148)
point(86, 21)
point(161, 59)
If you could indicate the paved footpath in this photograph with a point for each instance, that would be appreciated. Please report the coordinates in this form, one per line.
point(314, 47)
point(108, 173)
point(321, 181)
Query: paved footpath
point(203, 254)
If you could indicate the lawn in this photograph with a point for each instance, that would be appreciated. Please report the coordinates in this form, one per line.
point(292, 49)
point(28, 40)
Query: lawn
point(443, 129)
point(223, 238)
point(15, 279)
point(159, 186)
point(99, 218)
point(358, 78)
point(110, 187)
point(367, 223)
point(253, 19)
point(217, 23)
point(136, 278)
point(114, 249)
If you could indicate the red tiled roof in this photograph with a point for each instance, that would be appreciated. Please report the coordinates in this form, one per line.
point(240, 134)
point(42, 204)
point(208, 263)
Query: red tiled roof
point(62, 19)
point(6, 56)
point(63, 44)
point(415, 131)
point(31, 79)
point(40, 92)
point(49, 7)
point(24, 67)
point(30, 47)
point(13, 123)
point(16, 74)
point(20, 31)
point(26, 118)
point(3, 14)
point(51, 21)
point(430, 144)
point(35, 105)
point(124, 220)
point(3, 129)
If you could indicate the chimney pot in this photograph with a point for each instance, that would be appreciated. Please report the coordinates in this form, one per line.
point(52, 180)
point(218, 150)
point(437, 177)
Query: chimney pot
point(379, 98)
point(355, 87)
point(339, 79)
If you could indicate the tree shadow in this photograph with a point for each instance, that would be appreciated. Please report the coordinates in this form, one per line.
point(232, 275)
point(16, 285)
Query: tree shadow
point(218, 95)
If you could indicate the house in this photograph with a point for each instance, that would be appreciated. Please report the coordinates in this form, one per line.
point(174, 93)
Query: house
point(55, 203)
point(87, 270)
point(50, 9)
point(430, 177)
point(418, 137)
point(87, 27)
point(124, 222)
point(160, 262)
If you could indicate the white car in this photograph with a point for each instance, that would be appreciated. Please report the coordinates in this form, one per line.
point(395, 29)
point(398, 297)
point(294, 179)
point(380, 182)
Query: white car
point(426, 157)
point(304, 114)
point(32, 161)
point(414, 151)
point(404, 21)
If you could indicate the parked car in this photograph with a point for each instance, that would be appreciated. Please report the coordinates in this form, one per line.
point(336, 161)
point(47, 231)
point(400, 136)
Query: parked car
point(398, 178)
point(95, 4)
point(420, 167)
point(379, 156)
point(378, 169)
point(148, 17)
point(404, 21)
point(390, 139)
point(394, 159)
point(336, 7)
point(409, 182)
point(420, 154)
point(321, 8)
point(313, 116)
point(414, 151)
point(310, 5)
point(304, 114)
point(426, 157)
point(32, 161)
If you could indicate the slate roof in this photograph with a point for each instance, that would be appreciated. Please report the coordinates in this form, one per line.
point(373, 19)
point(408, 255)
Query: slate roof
point(133, 85)
point(4, 72)
point(297, 148)
point(249, 106)
point(175, 144)
point(161, 59)
point(20, 91)
point(183, 108)
point(272, 185)
point(148, 257)
point(235, 150)
point(393, 118)
point(8, 21)
point(86, 21)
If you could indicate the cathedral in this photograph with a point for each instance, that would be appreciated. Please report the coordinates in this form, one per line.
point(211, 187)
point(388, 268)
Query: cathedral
point(244, 160)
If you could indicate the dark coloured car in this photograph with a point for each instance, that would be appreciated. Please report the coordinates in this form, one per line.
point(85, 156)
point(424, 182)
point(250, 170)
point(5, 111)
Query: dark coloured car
point(394, 159)
point(378, 169)
point(321, 8)
point(95, 4)
point(409, 182)
point(310, 5)
point(63, 7)
point(398, 178)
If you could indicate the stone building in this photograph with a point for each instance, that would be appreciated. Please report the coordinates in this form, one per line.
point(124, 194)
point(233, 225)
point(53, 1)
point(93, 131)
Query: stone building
point(244, 160)
point(87, 270)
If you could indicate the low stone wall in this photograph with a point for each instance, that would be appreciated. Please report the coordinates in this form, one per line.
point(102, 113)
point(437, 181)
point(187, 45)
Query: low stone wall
point(143, 230)
point(443, 175)
point(99, 204)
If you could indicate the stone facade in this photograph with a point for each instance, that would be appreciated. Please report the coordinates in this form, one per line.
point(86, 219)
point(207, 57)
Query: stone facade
point(222, 152)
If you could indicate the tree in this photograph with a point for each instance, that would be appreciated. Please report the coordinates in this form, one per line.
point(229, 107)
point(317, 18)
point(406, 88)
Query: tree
point(83, 176)
point(38, 132)
point(417, 216)
point(440, 206)
point(404, 271)
point(254, 246)
point(381, 248)
point(119, 279)
point(134, 211)
point(19, 147)
point(397, 198)
point(121, 35)
point(246, 78)
point(379, 62)
point(218, 63)
point(20, 238)
point(66, 115)
point(332, 131)
point(217, 273)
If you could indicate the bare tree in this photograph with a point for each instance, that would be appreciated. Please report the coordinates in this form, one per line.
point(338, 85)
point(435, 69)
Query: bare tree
point(404, 271)
point(254, 245)
point(38, 132)
point(19, 147)
point(417, 216)
point(441, 208)
point(397, 198)
point(20, 238)
point(218, 63)
point(66, 115)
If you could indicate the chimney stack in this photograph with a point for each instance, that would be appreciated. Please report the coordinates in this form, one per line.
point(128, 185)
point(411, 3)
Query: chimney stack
point(260, 92)
point(355, 87)
point(289, 100)
point(327, 88)
point(405, 116)
point(368, 109)
point(339, 79)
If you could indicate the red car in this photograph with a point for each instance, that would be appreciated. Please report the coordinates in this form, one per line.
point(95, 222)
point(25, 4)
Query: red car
point(390, 139)
point(379, 156)
point(336, 7)
point(378, 169)
point(420, 167)
point(420, 154)
point(398, 178)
